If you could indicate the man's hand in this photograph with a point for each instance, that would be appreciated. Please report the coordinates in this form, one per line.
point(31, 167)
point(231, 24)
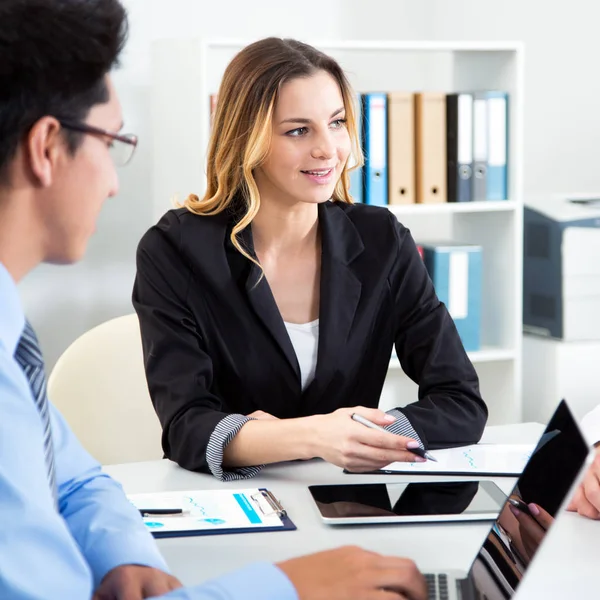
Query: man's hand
point(586, 500)
point(134, 582)
point(351, 573)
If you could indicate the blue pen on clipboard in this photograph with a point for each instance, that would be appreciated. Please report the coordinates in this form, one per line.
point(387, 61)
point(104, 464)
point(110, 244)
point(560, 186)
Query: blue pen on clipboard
point(418, 451)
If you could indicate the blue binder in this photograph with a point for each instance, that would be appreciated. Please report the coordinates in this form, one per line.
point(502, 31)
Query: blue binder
point(456, 271)
point(375, 139)
point(357, 175)
point(497, 180)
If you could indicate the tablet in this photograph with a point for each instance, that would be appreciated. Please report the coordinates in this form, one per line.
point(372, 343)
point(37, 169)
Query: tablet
point(421, 502)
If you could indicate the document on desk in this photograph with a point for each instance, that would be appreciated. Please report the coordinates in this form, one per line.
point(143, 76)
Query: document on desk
point(498, 460)
point(210, 512)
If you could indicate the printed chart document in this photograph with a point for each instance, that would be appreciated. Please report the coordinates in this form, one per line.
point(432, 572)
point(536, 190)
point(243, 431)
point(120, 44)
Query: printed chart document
point(206, 512)
point(506, 460)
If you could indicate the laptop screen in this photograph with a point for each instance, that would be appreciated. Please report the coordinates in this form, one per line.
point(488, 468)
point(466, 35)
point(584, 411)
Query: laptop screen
point(546, 480)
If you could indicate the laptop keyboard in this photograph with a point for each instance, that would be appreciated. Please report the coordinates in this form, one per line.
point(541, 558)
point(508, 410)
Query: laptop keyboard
point(437, 586)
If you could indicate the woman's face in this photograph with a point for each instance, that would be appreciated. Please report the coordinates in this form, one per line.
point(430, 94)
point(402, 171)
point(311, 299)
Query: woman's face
point(310, 143)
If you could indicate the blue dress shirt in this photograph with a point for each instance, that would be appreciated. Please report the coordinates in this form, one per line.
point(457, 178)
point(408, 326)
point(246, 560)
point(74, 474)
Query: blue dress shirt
point(52, 556)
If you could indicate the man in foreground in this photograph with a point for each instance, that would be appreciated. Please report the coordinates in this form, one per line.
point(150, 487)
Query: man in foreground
point(68, 530)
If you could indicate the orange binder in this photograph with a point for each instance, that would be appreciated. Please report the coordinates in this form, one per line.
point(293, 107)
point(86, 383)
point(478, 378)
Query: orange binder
point(430, 148)
point(401, 148)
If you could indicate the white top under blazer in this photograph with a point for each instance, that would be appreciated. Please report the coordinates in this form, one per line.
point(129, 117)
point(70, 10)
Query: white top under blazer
point(305, 340)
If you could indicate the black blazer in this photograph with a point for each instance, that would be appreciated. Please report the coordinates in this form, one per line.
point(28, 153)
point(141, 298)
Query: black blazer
point(215, 343)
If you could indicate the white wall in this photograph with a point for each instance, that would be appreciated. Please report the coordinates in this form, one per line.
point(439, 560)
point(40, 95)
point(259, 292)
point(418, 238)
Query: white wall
point(562, 84)
point(561, 122)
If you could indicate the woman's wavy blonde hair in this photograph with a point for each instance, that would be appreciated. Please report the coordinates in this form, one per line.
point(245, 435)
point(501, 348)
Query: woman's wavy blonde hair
point(242, 127)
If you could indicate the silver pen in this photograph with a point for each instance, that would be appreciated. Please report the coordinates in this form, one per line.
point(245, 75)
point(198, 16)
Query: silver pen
point(418, 451)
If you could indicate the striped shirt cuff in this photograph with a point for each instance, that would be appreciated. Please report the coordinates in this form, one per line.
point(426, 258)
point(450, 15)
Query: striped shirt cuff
point(223, 433)
point(402, 426)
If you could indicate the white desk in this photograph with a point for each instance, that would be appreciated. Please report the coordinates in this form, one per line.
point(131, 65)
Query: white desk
point(566, 567)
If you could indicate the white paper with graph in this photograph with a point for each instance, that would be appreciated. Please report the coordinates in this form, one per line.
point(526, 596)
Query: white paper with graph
point(205, 512)
point(477, 459)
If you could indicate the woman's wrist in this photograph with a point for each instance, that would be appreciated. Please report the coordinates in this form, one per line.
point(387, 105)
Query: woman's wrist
point(310, 436)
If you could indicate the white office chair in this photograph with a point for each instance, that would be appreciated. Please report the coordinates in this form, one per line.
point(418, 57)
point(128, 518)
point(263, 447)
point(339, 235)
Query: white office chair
point(99, 386)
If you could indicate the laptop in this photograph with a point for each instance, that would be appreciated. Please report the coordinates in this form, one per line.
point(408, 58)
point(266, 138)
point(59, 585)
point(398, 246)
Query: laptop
point(509, 548)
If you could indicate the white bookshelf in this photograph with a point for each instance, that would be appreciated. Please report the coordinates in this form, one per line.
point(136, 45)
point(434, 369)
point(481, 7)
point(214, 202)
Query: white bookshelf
point(403, 210)
point(186, 72)
point(480, 356)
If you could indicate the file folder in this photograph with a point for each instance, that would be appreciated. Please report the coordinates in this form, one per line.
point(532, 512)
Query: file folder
point(456, 270)
point(459, 146)
point(211, 512)
point(357, 175)
point(430, 148)
point(480, 146)
point(497, 110)
point(401, 148)
point(375, 137)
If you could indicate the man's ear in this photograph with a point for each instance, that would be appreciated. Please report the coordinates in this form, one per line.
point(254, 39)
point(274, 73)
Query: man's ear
point(44, 146)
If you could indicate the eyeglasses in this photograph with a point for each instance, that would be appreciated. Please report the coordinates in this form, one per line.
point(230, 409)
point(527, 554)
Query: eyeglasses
point(123, 144)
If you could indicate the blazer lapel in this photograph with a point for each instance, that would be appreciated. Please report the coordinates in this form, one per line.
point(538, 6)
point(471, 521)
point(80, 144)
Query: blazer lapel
point(340, 289)
point(261, 298)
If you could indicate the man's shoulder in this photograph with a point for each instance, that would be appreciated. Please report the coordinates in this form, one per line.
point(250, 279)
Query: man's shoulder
point(13, 384)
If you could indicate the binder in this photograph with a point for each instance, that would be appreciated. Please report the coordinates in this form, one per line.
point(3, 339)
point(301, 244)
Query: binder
point(459, 146)
point(401, 148)
point(357, 175)
point(430, 148)
point(211, 512)
point(480, 146)
point(456, 270)
point(497, 109)
point(375, 137)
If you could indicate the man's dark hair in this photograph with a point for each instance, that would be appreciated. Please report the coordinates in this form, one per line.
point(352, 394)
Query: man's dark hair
point(54, 55)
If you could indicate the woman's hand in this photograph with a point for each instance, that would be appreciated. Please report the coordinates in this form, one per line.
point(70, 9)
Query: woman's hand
point(343, 442)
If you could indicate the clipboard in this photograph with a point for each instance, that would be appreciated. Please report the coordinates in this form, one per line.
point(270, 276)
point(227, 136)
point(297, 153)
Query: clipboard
point(211, 512)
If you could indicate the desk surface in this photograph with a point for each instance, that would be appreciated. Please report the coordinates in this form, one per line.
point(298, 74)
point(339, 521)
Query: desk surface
point(570, 553)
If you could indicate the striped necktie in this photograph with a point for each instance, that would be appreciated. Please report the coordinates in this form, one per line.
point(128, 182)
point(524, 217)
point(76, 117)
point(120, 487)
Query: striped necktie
point(29, 356)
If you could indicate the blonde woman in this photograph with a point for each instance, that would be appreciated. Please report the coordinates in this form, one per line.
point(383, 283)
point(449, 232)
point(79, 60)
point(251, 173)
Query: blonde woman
point(269, 307)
